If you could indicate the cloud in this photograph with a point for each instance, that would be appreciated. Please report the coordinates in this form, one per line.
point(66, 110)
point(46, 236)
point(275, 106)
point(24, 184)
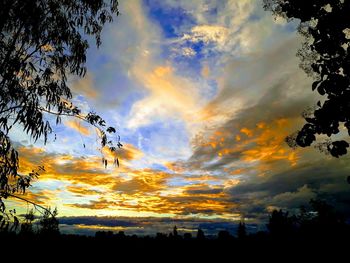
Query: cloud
point(85, 86)
point(294, 199)
point(87, 186)
point(208, 34)
point(81, 191)
point(93, 220)
point(170, 96)
point(208, 107)
point(78, 126)
point(88, 225)
point(291, 188)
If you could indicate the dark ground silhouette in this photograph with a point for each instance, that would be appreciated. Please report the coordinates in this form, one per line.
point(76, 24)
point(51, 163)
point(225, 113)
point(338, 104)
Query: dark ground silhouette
point(316, 232)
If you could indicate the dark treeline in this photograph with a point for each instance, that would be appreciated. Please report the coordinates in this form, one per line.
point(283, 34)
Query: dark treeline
point(317, 230)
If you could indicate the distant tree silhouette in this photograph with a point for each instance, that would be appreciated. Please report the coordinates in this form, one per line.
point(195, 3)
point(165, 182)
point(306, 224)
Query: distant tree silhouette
point(326, 218)
point(200, 234)
point(41, 43)
point(224, 235)
point(281, 224)
point(49, 225)
point(27, 225)
point(316, 230)
point(121, 235)
point(104, 234)
point(241, 231)
point(320, 219)
point(161, 236)
point(187, 236)
point(325, 56)
point(175, 234)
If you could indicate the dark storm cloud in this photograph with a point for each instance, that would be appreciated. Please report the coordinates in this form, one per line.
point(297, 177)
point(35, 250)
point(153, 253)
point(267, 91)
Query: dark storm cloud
point(204, 191)
point(274, 105)
point(94, 220)
point(325, 178)
point(314, 174)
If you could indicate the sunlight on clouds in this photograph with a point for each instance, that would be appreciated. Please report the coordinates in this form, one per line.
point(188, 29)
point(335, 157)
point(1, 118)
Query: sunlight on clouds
point(83, 180)
point(203, 98)
point(270, 143)
point(170, 96)
point(244, 150)
point(125, 154)
point(208, 34)
point(85, 86)
point(78, 126)
point(205, 71)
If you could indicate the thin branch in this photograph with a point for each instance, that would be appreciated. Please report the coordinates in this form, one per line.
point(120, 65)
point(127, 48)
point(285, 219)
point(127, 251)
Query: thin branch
point(28, 201)
point(8, 109)
point(69, 115)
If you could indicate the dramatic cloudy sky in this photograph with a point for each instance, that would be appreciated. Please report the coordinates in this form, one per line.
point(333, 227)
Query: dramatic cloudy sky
point(203, 94)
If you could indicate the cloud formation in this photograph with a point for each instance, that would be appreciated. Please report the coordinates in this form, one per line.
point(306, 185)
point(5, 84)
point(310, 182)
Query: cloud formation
point(203, 94)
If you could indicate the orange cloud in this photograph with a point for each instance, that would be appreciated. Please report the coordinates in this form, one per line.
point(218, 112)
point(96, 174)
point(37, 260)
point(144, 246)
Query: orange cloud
point(162, 84)
point(82, 191)
point(270, 143)
point(205, 71)
point(78, 126)
point(247, 132)
point(259, 145)
point(120, 191)
point(85, 86)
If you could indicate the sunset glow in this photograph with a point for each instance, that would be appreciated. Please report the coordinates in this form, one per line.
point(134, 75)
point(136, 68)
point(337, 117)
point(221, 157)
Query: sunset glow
point(203, 94)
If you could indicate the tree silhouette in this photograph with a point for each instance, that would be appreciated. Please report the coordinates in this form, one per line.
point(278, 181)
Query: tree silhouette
point(280, 224)
point(27, 225)
point(49, 224)
point(187, 236)
point(241, 231)
point(325, 56)
point(200, 234)
point(224, 235)
point(41, 43)
point(175, 234)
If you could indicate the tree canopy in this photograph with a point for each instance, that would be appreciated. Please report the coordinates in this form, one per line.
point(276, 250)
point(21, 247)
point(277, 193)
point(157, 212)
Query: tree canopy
point(42, 42)
point(325, 56)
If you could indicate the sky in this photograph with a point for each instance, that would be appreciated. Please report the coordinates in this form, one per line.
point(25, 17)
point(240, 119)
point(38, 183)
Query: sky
point(203, 94)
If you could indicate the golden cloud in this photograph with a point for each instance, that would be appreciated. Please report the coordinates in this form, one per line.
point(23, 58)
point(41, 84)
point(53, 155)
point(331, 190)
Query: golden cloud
point(78, 126)
point(88, 187)
point(270, 143)
point(163, 83)
point(85, 86)
point(257, 146)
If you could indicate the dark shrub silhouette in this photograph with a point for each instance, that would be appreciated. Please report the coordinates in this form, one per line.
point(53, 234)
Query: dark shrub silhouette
point(200, 234)
point(241, 231)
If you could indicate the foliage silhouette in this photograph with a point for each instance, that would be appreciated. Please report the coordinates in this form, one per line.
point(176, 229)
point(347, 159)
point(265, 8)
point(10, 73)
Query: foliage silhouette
point(200, 234)
point(27, 225)
point(317, 230)
point(224, 235)
point(325, 56)
point(187, 236)
point(49, 224)
point(241, 231)
point(42, 42)
point(280, 224)
point(175, 234)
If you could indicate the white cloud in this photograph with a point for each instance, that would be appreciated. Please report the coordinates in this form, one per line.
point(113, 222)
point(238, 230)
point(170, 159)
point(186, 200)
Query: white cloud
point(169, 96)
point(208, 34)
